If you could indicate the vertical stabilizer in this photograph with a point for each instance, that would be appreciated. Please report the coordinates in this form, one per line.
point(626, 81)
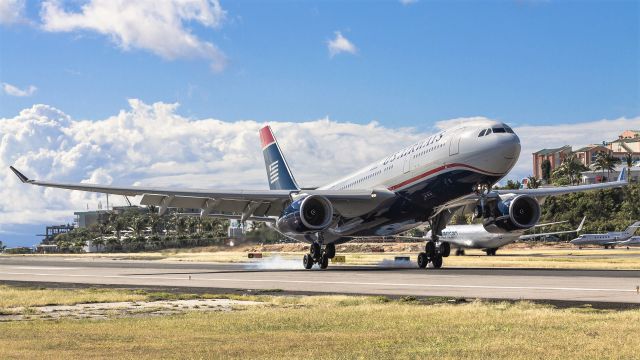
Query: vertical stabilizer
point(278, 172)
point(632, 229)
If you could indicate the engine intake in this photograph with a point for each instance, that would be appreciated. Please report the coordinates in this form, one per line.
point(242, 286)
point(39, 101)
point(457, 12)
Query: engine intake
point(316, 212)
point(310, 214)
point(514, 213)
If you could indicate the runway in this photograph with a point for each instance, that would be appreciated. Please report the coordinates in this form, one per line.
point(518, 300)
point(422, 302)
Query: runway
point(618, 286)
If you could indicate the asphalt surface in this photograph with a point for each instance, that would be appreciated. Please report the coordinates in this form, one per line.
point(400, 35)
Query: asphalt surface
point(611, 286)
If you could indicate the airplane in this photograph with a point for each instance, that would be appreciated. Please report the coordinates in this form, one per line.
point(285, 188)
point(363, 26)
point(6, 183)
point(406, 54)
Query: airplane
point(426, 182)
point(610, 239)
point(475, 236)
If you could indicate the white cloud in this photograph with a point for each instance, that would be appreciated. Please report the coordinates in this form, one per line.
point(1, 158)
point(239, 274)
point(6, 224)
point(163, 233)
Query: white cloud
point(157, 26)
point(408, 2)
point(16, 91)
point(11, 11)
point(154, 145)
point(340, 44)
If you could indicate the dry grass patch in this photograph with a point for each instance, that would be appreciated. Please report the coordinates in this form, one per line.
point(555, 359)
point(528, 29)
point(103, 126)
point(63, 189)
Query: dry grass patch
point(339, 327)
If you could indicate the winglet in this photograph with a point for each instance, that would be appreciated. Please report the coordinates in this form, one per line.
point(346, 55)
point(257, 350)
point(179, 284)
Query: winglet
point(20, 176)
point(581, 224)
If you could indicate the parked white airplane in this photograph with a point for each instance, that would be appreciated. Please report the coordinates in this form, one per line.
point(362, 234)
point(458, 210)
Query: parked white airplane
point(425, 182)
point(610, 239)
point(476, 237)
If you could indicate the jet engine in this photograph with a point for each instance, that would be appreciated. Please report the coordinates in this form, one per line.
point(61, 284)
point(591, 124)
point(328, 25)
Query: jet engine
point(310, 214)
point(511, 212)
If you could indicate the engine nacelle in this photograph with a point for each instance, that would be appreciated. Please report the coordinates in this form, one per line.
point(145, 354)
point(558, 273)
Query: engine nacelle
point(311, 214)
point(511, 213)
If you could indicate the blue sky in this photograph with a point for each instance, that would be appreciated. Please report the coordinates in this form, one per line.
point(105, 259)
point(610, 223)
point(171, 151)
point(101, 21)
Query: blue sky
point(520, 61)
point(361, 78)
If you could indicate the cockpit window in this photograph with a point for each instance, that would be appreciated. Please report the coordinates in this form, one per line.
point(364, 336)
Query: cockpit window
point(498, 130)
point(488, 132)
point(482, 133)
point(509, 130)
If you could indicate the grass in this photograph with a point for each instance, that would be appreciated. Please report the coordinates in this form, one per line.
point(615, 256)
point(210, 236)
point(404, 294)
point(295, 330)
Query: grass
point(11, 297)
point(338, 327)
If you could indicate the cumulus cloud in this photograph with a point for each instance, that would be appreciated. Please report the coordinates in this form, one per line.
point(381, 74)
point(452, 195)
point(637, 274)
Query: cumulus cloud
point(340, 44)
point(537, 137)
point(160, 27)
point(16, 91)
point(11, 11)
point(151, 144)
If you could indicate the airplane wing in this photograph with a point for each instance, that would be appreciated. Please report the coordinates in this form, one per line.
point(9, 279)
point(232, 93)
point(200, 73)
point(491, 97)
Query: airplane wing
point(246, 203)
point(560, 190)
point(469, 201)
point(533, 236)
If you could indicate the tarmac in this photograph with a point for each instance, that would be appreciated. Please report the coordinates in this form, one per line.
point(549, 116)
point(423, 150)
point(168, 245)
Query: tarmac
point(606, 286)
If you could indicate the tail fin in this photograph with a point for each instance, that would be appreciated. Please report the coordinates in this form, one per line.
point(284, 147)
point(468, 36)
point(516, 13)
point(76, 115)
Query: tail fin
point(581, 224)
point(278, 173)
point(623, 174)
point(632, 229)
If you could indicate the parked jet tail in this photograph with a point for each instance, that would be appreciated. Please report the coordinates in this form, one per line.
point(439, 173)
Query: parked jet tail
point(632, 229)
point(278, 173)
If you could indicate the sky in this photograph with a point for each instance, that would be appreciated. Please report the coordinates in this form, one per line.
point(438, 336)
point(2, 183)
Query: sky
point(172, 92)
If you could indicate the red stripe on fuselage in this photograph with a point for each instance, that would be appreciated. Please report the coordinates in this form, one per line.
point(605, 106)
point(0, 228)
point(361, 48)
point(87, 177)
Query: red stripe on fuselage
point(438, 169)
point(266, 136)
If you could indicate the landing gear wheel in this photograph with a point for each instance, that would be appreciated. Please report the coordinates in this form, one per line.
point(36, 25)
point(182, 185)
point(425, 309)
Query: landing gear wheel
point(315, 251)
point(445, 249)
point(430, 249)
point(330, 250)
point(459, 252)
point(437, 262)
point(307, 261)
point(324, 261)
point(491, 252)
point(423, 261)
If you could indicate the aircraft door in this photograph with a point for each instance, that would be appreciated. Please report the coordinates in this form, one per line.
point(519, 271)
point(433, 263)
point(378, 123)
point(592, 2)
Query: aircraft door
point(454, 146)
point(407, 164)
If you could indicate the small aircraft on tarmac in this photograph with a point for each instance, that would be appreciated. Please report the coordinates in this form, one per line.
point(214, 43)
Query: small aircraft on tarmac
point(608, 240)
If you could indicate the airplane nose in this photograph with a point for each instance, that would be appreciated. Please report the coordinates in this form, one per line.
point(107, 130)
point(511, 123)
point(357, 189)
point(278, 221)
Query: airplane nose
point(511, 147)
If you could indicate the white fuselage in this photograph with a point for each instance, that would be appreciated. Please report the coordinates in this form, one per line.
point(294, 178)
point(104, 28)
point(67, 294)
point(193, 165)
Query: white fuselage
point(456, 147)
point(476, 237)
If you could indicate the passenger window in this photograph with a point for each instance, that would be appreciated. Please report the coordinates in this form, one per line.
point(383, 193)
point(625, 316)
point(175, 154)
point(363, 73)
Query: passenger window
point(482, 133)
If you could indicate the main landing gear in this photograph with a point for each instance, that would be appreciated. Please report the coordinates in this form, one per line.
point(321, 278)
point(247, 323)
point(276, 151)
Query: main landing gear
point(459, 252)
point(491, 252)
point(434, 252)
point(320, 256)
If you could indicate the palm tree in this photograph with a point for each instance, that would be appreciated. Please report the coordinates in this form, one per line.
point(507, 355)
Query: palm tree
point(138, 224)
point(629, 160)
point(154, 222)
point(117, 225)
point(571, 168)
